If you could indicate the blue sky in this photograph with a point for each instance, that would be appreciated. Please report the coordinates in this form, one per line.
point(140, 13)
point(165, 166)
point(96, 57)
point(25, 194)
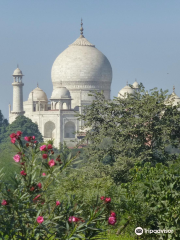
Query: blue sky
point(141, 39)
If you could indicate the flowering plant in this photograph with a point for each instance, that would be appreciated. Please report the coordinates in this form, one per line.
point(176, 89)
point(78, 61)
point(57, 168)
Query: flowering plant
point(28, 211)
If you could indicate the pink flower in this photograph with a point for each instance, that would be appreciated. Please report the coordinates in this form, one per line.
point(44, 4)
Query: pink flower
point(108, 200)
point(73, 219)
point(35, 141)
point(44, 156)
point(43, 174)
point(113, 214)
point(43, 148)
point(39, 185)
point(4, 202)
point(13, 140)
point(49, 146)
point(102, 198)
point(23, 173)
point(16, 158)
point(57, 203)
point(19, 133)
point(28, 139)
point(51, 163)
point(32, 189)
point(112, 220)
point(12, 135)
point(40, 219)
point(36, 197)
point(33, 137)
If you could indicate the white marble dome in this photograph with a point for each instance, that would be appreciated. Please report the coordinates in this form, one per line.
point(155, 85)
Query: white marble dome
point(60, 92)
point(38, 95)
point(17, 72)
point(173, 98)
point(123, 92)
point(135, 84)
point(81, 62)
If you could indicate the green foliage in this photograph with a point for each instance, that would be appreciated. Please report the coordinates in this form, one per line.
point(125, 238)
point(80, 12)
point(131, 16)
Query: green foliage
point(142, 179)
point(3, 125)
point(25, 125)
point(7, 148)
point(124, 131)
point(6, 162)
point(153, 198)
point(27, 200)
point(85, 185)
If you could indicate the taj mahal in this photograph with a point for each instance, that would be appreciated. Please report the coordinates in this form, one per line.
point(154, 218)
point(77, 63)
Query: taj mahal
point(80, 68)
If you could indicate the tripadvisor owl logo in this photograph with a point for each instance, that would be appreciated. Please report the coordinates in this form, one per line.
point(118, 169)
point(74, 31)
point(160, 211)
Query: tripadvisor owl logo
point(138, 231)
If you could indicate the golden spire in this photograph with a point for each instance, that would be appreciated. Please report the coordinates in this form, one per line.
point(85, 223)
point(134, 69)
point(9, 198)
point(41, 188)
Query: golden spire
point(173, 89)
point(81, 29)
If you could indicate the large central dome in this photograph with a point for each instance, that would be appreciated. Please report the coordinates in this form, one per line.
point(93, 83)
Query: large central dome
point(81, 61)
point(82, 67)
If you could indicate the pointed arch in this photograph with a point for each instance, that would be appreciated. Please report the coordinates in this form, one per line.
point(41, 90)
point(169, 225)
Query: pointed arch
point(64, 106)
point(69, 130)
point(49, 130)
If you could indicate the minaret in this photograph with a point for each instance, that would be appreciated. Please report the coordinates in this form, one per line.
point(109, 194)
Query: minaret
point(17, 92)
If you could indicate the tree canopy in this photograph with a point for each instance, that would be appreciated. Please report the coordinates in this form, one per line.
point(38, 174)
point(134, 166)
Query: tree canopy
point(138, 128)
point(3, 125)
point(25, 125)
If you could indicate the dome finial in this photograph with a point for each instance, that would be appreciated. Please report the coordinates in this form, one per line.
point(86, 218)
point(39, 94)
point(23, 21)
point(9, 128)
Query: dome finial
point(17, 65)
point(127, 83)
point(173, 89)
point(37, 85)
point(81, 29)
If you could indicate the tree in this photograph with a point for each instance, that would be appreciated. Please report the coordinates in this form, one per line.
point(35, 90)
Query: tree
point(3, 124)
point(152, 198)
point(25, 125)
point(136, 126)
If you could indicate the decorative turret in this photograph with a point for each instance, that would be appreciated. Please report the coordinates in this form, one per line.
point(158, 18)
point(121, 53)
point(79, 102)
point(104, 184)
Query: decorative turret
point(62, 96)
point(136, 85)
point(123, 92)
point(173, 98)
point(17, 92)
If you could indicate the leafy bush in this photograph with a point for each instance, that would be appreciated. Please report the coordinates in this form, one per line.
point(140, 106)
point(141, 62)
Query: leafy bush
point(29, 211)
point(153, 198)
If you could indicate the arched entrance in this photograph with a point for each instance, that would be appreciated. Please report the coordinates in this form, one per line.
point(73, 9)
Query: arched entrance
point(64, 106)
point(69, 130)
point(49, 130)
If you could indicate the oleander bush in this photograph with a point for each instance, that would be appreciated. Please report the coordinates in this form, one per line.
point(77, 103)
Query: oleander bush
point(28, 211)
